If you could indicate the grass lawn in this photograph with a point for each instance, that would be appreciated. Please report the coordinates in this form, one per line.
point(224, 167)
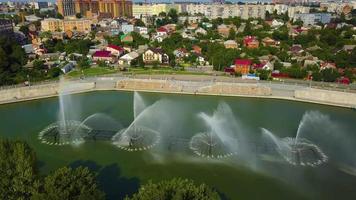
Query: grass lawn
point(93, 71)
point(162, 70)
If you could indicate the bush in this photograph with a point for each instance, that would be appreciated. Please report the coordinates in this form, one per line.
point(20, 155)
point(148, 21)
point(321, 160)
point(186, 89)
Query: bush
point(175, 189)
point(68, 183)
point(17, 171)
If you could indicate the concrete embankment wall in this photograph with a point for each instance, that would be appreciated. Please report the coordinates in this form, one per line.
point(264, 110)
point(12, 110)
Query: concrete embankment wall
point(326, 96)
point(237, 89)
point(40, 91)
point(191, 87)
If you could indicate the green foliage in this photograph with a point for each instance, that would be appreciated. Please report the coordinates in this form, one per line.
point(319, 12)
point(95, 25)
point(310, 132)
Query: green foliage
point(175, 189)
point(17, 170)
point(12, 58)
point(78, 46)
point(232, 34)
point(78, 15)
point(38, 64)
point(83, 63)
point(295, 72)
point(139, 22)
point(67, 183)
point(102, 64)
point(54, 72)
point(264, 74)
point(59, 16)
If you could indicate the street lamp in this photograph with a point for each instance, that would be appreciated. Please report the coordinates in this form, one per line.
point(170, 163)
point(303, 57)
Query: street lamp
point(28, 80)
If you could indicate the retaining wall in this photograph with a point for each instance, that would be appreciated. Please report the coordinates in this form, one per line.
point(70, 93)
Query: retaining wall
point(326, 96)
point(38, 91)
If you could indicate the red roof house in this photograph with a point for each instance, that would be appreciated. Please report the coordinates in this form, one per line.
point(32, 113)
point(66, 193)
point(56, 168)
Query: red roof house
point(243, 65)
point(251, 42)
point(103, 56)
point(115, 50)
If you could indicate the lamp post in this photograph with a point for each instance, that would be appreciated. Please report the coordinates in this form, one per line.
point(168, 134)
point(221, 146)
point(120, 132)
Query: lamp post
point(28, 80)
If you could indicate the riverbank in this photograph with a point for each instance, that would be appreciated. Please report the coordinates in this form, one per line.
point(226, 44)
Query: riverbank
point(191, 85)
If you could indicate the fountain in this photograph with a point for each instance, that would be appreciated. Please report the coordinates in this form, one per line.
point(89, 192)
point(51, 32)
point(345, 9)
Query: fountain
point(219, 141)
point(137, 137)
point(66, 130)
point(297, 151)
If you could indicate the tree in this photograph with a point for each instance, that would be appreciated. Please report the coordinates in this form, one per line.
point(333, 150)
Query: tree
point(83, 63)
point(139, 22)
point(59, 16)
point(172, 14)
point(17, 170)
point(175, 189)
point(38, 64)
point(78, 15)
point(329, 75)
point(54, 72)
point(232, 34)
point(68, 183)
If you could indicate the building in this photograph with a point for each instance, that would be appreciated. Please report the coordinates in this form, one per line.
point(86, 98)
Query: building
point(127, 38)
point(113, 8)
point(230, 44)
point(313, 18)
point(155, 55)
point(115, 50)
point(103, 56)
point(140, 10)
point(242, 66)
point(292, 11)
point(64, 25)
point(66, 7)
point(6, 27)
point(251, 42)
point(128, 58)
point(116, 8)
point(213, 11)
point(224, 30)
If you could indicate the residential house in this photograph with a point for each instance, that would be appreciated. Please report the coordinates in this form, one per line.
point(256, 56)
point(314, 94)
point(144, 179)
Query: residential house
point(269, 42)
point(127, 38)
point(162, 31)
point(277, 23)
point(67, 67)
point(296, 49)
point(251, 42)
point(327, 65)
point(200, 31)
point(103, 56)
point(264, 65)
point(115, 50)
point(196, 49)
point(153, 55)
point(193, 26)
point(230, 44)
point(180, 53)
point(128, 58)
point(141, 30)
point(242, 66)
point(224, 30)
point(348, 48)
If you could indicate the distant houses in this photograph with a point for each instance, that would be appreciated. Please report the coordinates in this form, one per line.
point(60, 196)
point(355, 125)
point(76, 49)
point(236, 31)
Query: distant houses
point(155, 55)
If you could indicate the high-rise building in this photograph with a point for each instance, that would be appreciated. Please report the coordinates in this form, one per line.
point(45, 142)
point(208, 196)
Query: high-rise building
point(139, 10)
point(115, 8)
point(66, 7)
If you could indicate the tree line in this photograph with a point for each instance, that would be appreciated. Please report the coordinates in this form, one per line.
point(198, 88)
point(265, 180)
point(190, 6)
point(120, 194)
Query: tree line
point(20, 179)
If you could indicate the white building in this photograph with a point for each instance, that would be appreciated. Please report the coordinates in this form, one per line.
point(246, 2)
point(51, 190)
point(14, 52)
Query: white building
point(292, 11)
point(213, 11)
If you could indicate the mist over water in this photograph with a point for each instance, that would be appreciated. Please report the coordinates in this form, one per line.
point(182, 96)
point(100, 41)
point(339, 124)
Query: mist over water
point(166, 130)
